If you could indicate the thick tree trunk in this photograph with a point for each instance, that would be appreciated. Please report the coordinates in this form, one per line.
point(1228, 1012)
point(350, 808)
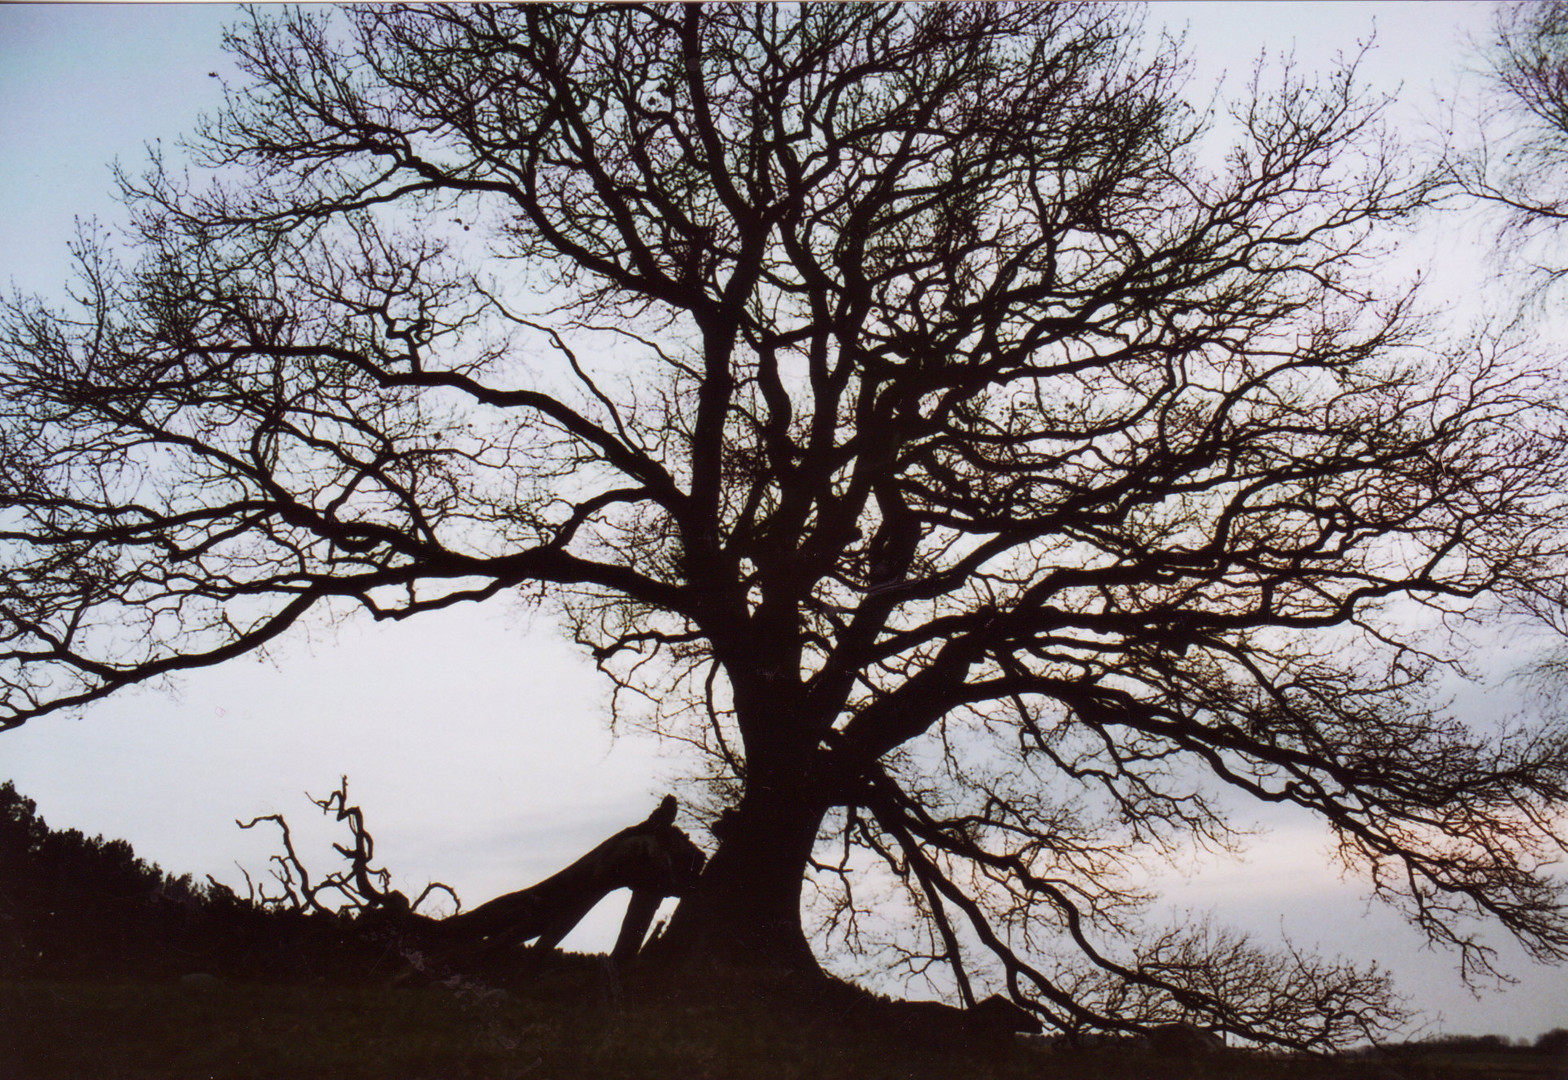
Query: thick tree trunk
point(745, 909)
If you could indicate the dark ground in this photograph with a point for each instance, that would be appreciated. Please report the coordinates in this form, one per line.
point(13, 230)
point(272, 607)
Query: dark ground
point(568, 1017)
point(111, 969)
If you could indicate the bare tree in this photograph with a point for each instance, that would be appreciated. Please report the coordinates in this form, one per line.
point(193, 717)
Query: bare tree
point(906, 405)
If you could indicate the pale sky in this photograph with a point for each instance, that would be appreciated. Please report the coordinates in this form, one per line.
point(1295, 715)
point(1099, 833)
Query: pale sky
point(476, 744)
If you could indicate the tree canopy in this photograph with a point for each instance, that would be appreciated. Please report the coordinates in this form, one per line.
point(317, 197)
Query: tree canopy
point(991, 462)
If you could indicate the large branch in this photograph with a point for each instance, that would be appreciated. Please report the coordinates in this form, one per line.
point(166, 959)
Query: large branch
point(652, 858)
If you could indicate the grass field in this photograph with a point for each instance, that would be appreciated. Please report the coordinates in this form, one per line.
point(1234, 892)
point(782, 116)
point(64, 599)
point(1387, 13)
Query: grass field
point(578, 1022)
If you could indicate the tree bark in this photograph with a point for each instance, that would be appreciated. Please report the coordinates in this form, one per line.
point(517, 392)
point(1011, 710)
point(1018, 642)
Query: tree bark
point(745, 910)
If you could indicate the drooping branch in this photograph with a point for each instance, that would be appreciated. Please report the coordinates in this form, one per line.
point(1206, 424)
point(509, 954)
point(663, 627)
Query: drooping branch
point(1183, 973)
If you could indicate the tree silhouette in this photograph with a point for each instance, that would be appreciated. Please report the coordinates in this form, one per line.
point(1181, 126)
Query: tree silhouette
point(988, 460)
